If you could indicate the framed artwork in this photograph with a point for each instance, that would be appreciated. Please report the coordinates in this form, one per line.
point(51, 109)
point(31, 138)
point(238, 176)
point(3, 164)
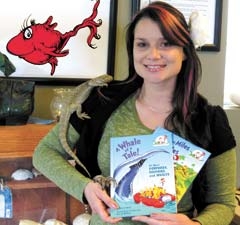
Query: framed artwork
point(211, 9)
point(54, 43)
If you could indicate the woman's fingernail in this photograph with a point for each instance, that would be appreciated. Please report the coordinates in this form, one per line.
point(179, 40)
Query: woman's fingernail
point(114, 206)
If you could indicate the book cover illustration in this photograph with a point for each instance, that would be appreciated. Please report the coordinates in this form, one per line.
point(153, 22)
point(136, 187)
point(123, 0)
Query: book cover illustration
point(144, 172)
point(188, 161)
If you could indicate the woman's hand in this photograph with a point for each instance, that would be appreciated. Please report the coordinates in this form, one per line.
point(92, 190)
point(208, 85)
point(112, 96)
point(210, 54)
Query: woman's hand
point(166, 219)
point(100, 202)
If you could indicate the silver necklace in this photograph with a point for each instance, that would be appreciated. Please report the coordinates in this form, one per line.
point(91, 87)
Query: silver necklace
point(152, 108)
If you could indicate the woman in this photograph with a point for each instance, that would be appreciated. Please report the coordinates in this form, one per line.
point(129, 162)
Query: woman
point(164, 72)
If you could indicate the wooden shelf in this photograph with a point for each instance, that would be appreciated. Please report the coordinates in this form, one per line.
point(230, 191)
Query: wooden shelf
point(20, 141)
point(35, 183)
point(31, 198)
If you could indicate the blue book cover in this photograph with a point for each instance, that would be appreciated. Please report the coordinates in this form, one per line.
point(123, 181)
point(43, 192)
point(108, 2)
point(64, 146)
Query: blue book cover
point(143, 168)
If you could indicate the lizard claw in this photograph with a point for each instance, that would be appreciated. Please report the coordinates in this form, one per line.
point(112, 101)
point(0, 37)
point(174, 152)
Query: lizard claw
point(83, 116)
point(105, 182)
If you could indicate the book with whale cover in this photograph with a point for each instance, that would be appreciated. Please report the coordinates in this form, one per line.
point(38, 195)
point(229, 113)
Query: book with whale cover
point(152, 172)
point(143, 168)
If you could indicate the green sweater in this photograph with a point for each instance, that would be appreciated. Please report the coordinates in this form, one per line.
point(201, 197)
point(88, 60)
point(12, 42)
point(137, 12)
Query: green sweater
point(50, 158)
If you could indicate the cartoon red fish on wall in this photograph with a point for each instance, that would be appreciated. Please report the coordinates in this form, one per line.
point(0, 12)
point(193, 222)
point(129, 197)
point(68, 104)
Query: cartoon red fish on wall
point(40, 44)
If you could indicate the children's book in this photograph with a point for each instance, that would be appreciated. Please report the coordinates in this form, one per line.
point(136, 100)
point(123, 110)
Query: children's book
point(188, 161)
point(144, 172)
point(153, 172)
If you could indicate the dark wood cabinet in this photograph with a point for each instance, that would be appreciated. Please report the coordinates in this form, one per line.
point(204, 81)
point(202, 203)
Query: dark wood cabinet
point(37, 199)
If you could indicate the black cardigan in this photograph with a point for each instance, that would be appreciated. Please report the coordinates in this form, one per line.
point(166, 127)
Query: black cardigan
point(206, 119)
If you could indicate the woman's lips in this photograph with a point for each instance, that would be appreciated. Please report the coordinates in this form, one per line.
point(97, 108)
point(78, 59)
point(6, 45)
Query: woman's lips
point(155, 68)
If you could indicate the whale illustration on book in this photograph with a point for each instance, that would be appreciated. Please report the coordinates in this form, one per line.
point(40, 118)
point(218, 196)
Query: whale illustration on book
point(124, 185)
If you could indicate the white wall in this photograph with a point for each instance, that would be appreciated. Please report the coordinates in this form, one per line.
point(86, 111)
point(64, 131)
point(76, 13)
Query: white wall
point(212, 85)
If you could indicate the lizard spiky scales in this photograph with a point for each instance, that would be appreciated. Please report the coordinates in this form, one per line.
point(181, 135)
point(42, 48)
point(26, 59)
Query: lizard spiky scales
point(74, 102)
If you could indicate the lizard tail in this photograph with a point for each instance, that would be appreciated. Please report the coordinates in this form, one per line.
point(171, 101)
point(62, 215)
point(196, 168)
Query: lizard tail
point(72, 154)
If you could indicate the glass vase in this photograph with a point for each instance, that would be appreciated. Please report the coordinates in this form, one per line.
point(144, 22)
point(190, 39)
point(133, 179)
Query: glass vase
point(58, 102)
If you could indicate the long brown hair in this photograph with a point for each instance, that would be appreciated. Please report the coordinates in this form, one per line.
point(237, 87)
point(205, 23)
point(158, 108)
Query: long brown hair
point(176, 31)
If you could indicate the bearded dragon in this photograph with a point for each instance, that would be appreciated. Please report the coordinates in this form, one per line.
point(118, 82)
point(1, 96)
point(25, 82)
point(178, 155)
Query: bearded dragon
point(74, 102)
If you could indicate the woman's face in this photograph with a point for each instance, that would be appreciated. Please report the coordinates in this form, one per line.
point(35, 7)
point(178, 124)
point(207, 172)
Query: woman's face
point(154, 59)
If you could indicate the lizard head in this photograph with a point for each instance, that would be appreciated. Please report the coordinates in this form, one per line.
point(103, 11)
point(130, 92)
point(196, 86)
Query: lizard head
point(101, 80)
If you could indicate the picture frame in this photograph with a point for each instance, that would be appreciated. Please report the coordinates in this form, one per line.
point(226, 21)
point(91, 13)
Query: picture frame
point(75, 42)
point(212, 9)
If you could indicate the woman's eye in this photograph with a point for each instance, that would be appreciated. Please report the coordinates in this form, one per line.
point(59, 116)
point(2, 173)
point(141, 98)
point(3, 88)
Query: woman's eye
point(141, 44)
point(165, 44)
